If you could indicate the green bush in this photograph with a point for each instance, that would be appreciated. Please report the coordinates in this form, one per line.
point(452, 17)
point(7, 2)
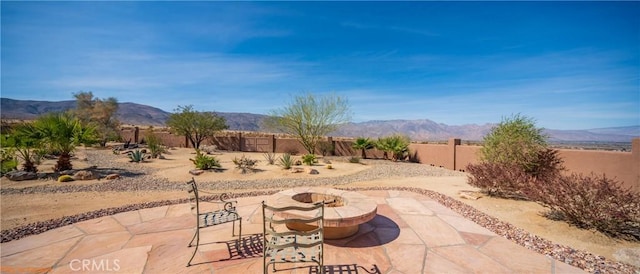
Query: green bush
point(515, 140)
point(65, 178)
point(204, 162)
point(354, 160)
point(154, 143)
point(309, 159)
point(8, 161)
point(286, 161)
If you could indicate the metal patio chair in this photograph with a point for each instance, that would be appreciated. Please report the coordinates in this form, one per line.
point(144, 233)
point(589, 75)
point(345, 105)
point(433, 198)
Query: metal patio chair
point(283, 245)
point(225, 213)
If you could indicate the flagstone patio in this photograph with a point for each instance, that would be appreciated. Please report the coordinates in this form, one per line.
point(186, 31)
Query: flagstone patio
point(410, 234)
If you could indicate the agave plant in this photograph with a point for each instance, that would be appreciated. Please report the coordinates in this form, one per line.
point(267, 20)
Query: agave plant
point(136, 156)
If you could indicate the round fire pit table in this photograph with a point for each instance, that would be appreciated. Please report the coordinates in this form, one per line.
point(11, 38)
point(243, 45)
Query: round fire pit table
point(344, 210)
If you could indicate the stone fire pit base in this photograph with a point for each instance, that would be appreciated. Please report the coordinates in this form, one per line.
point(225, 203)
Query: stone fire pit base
point(343, 213)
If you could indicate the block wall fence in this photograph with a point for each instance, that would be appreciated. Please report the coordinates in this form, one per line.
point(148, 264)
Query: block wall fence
point(624, 166)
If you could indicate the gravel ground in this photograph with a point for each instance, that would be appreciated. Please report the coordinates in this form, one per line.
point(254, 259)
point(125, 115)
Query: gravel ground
point(139, 179)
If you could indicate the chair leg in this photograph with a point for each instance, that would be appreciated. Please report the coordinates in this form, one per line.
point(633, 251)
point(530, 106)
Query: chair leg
point(197, 237)
point(239, 237)
point(193, 238)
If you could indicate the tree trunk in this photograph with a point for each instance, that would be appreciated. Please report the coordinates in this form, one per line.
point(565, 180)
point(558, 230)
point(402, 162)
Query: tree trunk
point(64, 162)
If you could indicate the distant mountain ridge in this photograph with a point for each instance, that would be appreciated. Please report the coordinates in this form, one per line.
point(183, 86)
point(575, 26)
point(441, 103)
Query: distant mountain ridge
point(417, 130)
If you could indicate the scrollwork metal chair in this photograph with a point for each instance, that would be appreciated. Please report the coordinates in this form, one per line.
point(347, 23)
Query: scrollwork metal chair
point(225, 213)
point(284, 245)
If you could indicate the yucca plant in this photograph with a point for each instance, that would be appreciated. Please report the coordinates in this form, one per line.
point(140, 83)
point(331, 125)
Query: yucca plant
point(286, 161)
point(270, 157)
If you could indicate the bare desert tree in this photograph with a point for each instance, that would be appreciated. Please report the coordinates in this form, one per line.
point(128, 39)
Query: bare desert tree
point(196, 125)
point(309, 118)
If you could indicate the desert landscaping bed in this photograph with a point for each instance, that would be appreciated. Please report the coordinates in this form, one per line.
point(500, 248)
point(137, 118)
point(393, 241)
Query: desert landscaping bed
point(161, 182)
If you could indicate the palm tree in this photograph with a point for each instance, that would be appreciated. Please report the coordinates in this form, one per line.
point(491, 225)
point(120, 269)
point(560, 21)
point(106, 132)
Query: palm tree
point(61, 133)
point(398, 145)
point(363, 144)
point(24, 141)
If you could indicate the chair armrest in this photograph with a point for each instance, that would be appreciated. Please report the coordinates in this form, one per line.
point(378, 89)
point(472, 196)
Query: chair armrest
point(228, 205)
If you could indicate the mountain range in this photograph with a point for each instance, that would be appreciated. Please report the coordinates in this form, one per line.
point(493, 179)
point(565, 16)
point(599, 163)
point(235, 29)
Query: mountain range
point(417, 130)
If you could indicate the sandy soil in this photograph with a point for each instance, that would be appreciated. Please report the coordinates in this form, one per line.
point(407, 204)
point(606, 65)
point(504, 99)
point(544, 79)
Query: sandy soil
point(18, 210)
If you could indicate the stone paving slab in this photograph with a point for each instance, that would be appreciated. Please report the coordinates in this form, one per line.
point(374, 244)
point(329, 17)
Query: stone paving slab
point(410, 234)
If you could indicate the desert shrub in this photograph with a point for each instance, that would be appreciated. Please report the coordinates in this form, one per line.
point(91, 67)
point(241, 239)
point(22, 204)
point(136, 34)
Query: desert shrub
point(591, 202)
point(547, 165)
point(245, 163)
point(154, 143)
point(500, 180)
point(354, 160)
point(137, 156)
point(511, 180)
point(8, 161)
point(329, 167)
point(270, 157)
point(309, 159)
point(286, 161)
point(326, 148)
point(204, 162)
point(515, 140)
point(65, 178)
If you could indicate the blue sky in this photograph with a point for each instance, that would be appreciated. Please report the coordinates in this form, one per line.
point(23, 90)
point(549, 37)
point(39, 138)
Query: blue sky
point(568, 65)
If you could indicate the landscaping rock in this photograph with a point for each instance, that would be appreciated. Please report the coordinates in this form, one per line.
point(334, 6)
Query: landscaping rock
point(297, 170)
point(112, 176)
point(313, 171)
point(84, 175)
point(67, 172)
point(196, 172)
point(18, 175)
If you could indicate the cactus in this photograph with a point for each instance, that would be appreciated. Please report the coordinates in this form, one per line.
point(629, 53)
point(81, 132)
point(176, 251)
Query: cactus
point(65, 178)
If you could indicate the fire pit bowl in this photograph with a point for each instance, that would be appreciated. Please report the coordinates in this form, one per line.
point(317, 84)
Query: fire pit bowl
point(344, 210)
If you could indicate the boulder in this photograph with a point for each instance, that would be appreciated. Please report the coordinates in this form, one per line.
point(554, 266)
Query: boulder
point(196, 171)
point(312, 171)
point(67, 172)
point(112, 176)
point(297, 170)
point(18, 175)
point(84, 175)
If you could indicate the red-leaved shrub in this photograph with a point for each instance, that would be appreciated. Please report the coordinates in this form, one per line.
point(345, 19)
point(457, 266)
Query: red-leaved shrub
point(499, 180)
point(590, 202)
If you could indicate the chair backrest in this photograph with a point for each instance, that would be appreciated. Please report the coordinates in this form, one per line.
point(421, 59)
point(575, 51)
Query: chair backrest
point(305, 221)
point(194, 200)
